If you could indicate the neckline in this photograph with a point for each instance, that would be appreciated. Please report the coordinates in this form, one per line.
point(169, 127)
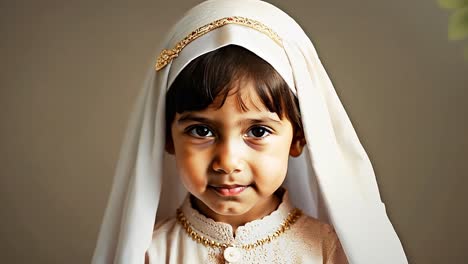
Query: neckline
point(245, 234)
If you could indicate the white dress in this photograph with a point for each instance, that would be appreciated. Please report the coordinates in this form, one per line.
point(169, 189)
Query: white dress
point(306, 241)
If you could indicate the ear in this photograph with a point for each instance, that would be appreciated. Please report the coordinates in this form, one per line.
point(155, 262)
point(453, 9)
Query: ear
point(297, 144)
point(169, 146)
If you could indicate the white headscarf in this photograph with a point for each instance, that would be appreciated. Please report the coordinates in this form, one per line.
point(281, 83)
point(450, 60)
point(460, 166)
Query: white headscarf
point(332, 180)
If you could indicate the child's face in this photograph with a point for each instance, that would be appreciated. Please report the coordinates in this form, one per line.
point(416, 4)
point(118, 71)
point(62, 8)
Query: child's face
point(232, 160)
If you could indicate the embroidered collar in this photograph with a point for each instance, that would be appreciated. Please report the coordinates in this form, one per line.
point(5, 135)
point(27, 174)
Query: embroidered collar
point(248, 233)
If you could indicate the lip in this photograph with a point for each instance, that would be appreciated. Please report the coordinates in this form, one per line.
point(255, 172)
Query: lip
point(229, 190)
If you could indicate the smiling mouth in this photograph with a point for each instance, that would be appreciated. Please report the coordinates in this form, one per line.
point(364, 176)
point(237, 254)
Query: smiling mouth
point(229, 190)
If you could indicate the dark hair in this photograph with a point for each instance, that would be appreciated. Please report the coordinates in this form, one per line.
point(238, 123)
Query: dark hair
point(215, 74)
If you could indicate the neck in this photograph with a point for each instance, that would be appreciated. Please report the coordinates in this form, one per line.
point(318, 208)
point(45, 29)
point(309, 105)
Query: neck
point(257, 212)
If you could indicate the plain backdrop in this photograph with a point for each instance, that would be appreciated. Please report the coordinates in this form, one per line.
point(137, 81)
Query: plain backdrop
point(70, 71)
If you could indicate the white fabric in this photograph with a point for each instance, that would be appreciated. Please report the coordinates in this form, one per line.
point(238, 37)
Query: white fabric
point(236, 35)
point(307, 240)
point(333, 180)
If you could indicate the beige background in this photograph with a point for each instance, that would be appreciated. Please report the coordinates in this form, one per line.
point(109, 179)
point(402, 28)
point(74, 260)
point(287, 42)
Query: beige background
point(70, 71)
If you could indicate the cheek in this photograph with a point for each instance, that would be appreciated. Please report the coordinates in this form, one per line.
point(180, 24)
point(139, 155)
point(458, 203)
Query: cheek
point(271, 169)
point(270, 177)
point(191, 168)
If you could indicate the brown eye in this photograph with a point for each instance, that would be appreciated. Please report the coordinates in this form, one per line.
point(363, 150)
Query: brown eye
point(201, 131)
point(258, 132)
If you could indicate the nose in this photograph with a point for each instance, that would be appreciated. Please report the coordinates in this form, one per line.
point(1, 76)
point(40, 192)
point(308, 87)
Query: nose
point(228, 157)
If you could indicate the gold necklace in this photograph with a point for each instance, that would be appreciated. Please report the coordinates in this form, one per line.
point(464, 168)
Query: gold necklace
point(291, 219)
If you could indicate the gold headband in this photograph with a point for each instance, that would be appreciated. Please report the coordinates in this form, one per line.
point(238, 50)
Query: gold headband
point(167, 56)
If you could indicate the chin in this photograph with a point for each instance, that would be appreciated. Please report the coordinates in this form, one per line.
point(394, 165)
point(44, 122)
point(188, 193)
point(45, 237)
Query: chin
point(230, 208)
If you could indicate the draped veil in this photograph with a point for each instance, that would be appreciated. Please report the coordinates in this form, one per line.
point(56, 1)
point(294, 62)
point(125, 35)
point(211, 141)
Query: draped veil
point(332, 180)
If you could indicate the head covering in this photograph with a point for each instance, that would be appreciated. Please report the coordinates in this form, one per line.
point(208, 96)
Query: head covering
point(332, 180)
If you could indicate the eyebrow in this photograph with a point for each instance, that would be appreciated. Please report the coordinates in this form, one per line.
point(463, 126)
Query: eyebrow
point(189, 117)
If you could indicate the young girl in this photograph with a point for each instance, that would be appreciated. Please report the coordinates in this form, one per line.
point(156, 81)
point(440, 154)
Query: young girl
point(232, 122)
point(236, 90)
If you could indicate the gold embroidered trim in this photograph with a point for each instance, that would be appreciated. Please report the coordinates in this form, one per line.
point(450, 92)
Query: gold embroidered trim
point(167, 56)
point(290, 220)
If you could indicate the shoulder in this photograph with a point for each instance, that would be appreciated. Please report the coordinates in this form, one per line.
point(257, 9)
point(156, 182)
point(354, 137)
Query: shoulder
point(165, 225)
point(164, 235)
point(324, 236)
point(164, 230)
point(316, 228)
